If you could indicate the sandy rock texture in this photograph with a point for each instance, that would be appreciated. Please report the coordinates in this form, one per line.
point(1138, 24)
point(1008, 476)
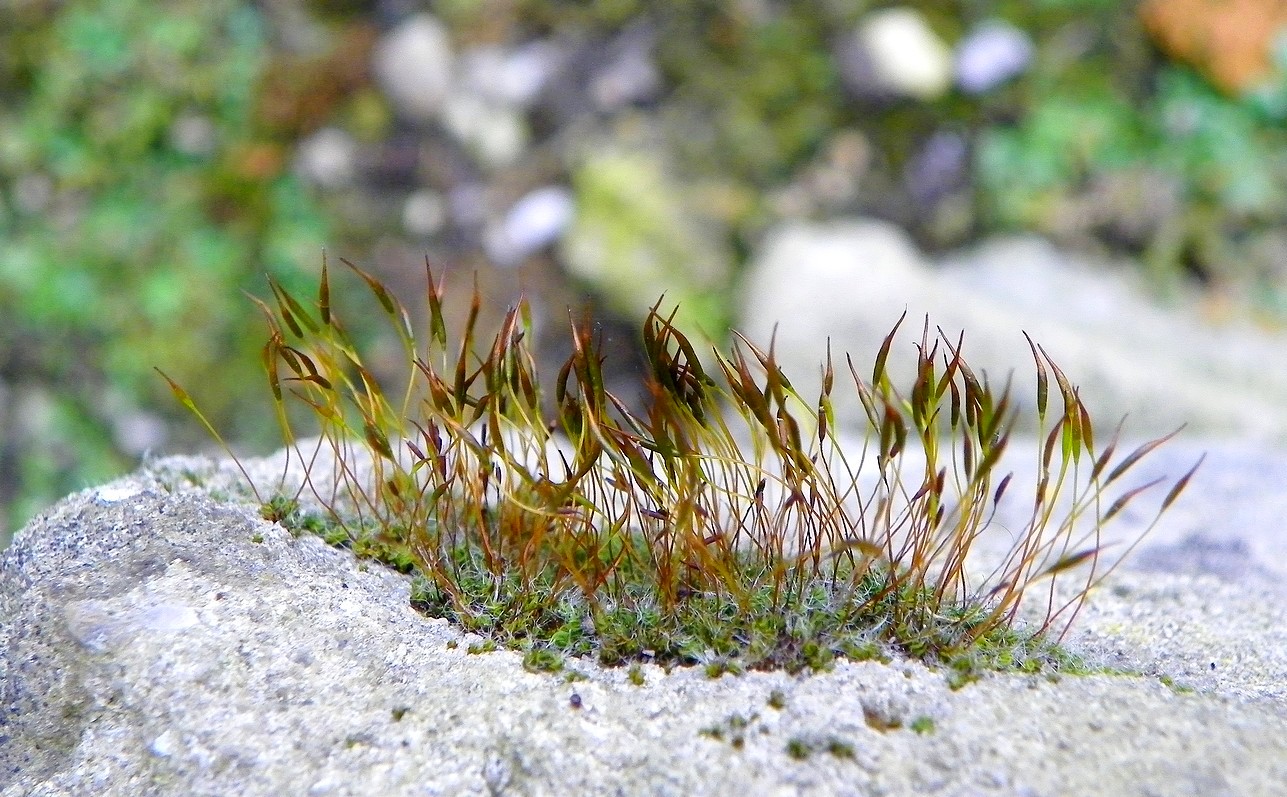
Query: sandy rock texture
point(158, 638)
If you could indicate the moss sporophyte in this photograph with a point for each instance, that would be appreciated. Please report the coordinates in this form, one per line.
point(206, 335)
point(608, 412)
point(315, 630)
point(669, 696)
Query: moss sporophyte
point(723, 525)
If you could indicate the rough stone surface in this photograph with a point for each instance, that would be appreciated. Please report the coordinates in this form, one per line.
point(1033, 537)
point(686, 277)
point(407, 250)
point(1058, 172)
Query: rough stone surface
point(160, 641)
point(849, 281)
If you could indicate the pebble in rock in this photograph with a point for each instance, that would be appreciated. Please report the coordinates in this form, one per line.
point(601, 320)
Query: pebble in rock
point(895, 52)
point(413, 65)
point(991, 54)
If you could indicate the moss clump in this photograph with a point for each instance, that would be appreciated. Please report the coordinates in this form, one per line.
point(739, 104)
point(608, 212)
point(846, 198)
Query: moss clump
point(724, 526)
point(799, 749)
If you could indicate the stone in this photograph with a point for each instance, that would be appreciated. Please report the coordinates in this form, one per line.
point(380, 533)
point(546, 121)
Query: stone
point(194, 135)
point(907, 58)
point(630, 74)
point(938, 168)
point(600, 74)
point(486, 110)
point(424, 213)
point(991, 54)
point(1231, 42)
point(158, 640)
point(513, 77)
point(496, 134)
point(33, 192)
point(849, 281)
point(414, 64)
point(535, 221)
point(328, 158)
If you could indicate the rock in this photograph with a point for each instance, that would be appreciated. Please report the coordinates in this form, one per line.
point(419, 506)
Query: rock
point(849, 281)
point(510, 77)
point(194, 135)
point(414, 65)
point(600, 74)
point(536, 221)
point(494, 133)
point(485, 109)
point(33, 193)
point(938, 168)
point(159, 641)
point(1199, 554)
point(894, 51)
point(1232, 43)
point(467, 204)
point(992, 53)
point(136, 432)
point(328, 158)
point(424, 213)
point(630, 74)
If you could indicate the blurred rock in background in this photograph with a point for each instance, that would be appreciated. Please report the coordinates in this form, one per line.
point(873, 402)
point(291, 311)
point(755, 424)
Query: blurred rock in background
point(848, 281)
point(1235, 44)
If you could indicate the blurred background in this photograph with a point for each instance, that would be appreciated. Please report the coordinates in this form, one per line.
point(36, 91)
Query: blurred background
point(157, 159)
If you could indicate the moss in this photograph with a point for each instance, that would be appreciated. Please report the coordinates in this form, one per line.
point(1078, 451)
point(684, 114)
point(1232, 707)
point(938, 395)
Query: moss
point(880, 720)
point(799, 749)
point(662, 536)
point(542, 660)
point(1176, 687)
point(732, 729)
point(923, 725)
point(819, 631)
point(840, 748)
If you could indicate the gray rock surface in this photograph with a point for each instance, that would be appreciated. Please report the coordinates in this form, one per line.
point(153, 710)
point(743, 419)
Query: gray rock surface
point(157, 640)
point(850, 281)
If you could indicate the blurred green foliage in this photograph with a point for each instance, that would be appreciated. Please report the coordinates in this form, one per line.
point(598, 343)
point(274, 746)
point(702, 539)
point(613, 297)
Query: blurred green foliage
point(766, 89)
point(634, 240)
point(1102, 142)
point(141, 191)
point(1210, 171)
point(136, 198)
